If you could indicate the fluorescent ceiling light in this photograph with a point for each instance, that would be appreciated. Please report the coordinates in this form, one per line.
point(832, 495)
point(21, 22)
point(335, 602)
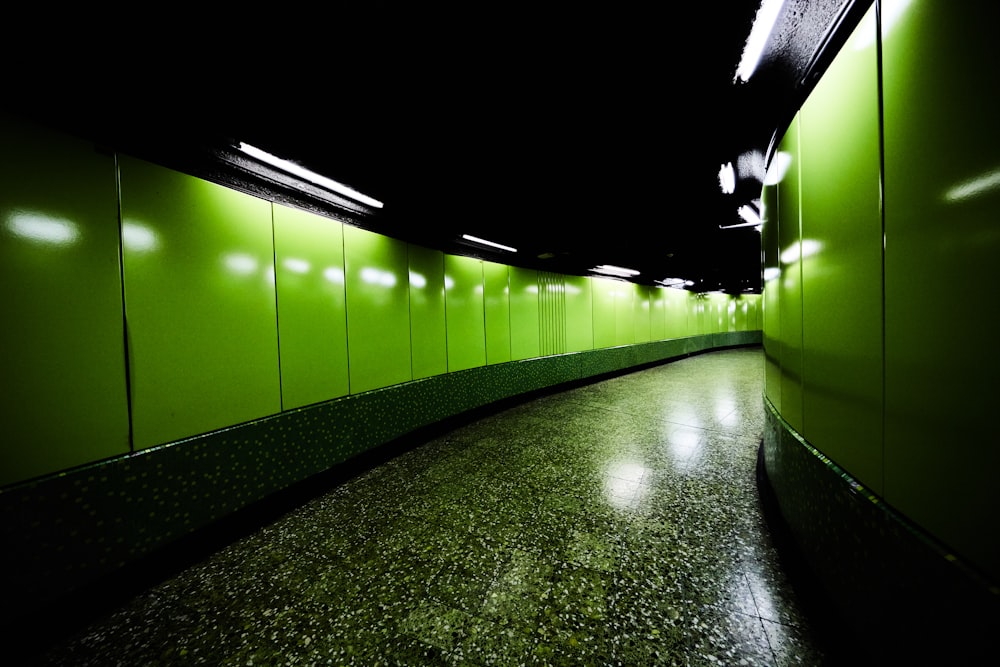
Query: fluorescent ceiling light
point(610, 270)
point(767, 16)
point(311, 176)
point(675, 282)
point(476, 239)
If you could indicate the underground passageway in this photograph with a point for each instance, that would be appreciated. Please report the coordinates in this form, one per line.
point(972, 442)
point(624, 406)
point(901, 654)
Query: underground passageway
point(617, 522)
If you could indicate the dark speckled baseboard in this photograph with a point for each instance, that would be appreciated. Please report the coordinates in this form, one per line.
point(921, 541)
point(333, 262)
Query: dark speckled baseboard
point(898, 591)
point(66, 531)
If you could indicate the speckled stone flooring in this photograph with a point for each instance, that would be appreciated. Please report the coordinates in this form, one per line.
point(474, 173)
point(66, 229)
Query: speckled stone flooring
point(615, 523)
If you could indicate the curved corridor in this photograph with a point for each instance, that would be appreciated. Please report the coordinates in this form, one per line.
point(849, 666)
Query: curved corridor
point(614, 523)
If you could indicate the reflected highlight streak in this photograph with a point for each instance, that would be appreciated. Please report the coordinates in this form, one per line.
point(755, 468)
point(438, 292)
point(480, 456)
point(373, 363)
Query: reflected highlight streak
point(137, 237)
point(623, 487)
point(975, 187)
point(42, 229)
point(374, 276)
point(417, 280)
point(240, 264)
point(334, 274)
point(296, 265)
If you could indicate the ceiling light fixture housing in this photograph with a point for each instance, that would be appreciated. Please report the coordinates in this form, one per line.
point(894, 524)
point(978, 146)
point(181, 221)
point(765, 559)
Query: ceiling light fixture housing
point(301, 172)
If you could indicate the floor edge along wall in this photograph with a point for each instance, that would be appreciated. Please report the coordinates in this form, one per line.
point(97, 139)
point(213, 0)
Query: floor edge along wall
point(893, 584)
point(71, 529)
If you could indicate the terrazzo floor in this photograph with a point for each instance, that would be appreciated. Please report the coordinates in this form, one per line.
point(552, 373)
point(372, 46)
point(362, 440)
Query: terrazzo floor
point(614, 523)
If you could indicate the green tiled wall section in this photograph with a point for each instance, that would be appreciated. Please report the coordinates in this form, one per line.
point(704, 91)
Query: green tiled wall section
point(63, 326)
point(179, 349)
point(877, 261)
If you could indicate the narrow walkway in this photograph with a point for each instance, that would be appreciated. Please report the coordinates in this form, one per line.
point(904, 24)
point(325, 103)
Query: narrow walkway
point(616, 523)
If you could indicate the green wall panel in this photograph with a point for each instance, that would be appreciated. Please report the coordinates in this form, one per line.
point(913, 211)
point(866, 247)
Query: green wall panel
point(624, 312)
point(741, 314)
point(770, 310)
point(200, 301)
point(312, 306)
point(524, 325)
point(790, 283)
point(604, 312)
point(428, 331)
point(676, 309)
point(579, 314)
point(463, 296)
point(942, 151)
point(496, 302)
point(62, 398)
point(641, 308)
point(657, 313)
point(842, 261)
point(378, 312)
point(551, 313)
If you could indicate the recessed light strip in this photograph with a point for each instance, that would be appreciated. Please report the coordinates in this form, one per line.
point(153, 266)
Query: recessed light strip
point(618, 271)
point(476, 239)
point(303, 173)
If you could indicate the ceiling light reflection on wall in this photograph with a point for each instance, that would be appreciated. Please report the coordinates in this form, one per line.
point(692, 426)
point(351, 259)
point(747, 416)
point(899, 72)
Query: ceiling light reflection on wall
point(40, 228)
point(316, 179)
point(727, 178)
point(975, 187)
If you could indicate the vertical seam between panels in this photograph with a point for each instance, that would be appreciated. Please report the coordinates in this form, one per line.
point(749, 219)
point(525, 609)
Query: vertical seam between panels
point(444, 286)
point(881, 206)
point(409, 304)
point(125, 332)
point(277, 316)
point(486, 341)
point(347, 328)
point(510, 327)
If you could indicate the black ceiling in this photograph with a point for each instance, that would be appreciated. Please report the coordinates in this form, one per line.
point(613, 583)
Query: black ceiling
point(579, 136)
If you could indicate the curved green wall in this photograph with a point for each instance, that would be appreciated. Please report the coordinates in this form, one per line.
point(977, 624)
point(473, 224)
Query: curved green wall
point(176, 350)
point(880, 228)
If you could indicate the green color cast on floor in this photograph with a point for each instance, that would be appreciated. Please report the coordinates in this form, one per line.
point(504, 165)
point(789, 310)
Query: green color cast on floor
point(614, 523)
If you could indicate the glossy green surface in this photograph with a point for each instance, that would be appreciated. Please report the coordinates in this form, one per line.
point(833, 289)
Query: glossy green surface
point(790, 282)
point(312, 306)
point(942, 152)
point(579, 314)
point(657, 314)
point(720, 312)
point(604, 312)
point(841, 261)
point(677, 309)
point(378, 320)
point(62, 393)
point(770, 304)
point(496, 302)
point(428, 331)
point(740, 313)
point(625, 297)
point(642, 309)
point(463, 279)
point(524, 325)
point(551, 313)
point(200, 302)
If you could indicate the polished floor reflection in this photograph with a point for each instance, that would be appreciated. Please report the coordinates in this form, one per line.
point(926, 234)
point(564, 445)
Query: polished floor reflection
point(616, 523)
